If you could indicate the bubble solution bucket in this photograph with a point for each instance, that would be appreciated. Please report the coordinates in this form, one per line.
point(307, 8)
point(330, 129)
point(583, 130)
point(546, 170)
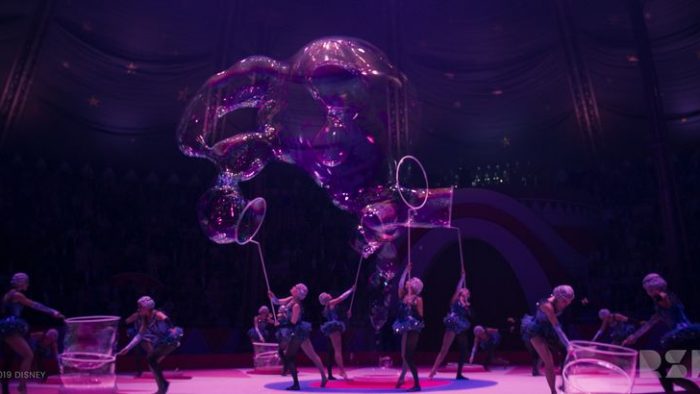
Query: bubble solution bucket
point(600, 368)
point(266, 357)
point(87, 362)
point(87, 373)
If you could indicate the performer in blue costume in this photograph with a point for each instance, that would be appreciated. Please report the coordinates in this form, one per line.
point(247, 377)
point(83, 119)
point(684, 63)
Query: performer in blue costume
point(555, 347)
point(134, 320)
point(614, 327)
point(158, 336)
point(13, 328)
point(282, 333)
point(457, 324)
point(543, 330)
point(408, 324)
point(333, 328)
point(486, 339)
point(680, 333)
point(296, 333)
point(263, 323)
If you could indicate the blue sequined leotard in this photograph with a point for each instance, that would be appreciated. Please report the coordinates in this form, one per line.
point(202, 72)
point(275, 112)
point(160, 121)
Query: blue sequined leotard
point(333, 322)
point(407, 319)
point(11, 323)
point(540, 326)
point(457, 320)
point(161, 332)
point(681, 334)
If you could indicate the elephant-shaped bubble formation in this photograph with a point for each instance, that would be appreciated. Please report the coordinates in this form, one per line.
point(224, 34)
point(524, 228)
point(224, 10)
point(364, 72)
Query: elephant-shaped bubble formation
point(323, 110)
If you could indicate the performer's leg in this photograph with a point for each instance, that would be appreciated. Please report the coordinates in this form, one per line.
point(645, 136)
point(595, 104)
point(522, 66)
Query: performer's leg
point(141, 353)
point(337, 346)
point(21, 347)
point(463, 341)
point(534, 357)
point(331, 356)
point(411, 345)
point(153, 359)
point(280, 351)
point(447, 340)
point(290, 354)
point(542, 349)
point(404, 365)
point(308, 348)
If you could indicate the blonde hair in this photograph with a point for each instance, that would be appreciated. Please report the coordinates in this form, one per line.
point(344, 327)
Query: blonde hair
point(302, 290)
point(19, 279)
point(324, 298)
point(146, 302)
point(564, 292)
point(416, 285)
point(654, 281)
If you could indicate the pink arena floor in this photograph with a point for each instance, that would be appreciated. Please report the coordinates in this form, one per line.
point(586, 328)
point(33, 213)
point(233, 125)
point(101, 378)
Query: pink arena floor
point(508, 380)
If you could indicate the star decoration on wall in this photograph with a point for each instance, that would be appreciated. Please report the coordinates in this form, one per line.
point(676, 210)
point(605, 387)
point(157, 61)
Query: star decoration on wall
point(505, 142)
point(131, 68)
point(183, 94)
point(94, 101)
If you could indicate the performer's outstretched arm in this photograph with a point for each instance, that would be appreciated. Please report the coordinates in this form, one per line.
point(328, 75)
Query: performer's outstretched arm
point(601, 330)
point(134, 341)
point(132, 318)
point(257, 329)
point(402, 280)
point(22, 299)
point(279, 301)
point(341, 297)
point(460, 285)
point(642, 330)
point(621, 317)
point(549, 312)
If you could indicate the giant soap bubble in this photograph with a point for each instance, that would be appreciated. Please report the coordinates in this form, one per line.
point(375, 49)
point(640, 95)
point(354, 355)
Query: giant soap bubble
point(87, 362)
point(323, 110)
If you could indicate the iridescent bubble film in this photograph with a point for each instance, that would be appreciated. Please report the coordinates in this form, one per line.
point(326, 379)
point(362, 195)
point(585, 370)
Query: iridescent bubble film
point(87, 362)
point(323, 110)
